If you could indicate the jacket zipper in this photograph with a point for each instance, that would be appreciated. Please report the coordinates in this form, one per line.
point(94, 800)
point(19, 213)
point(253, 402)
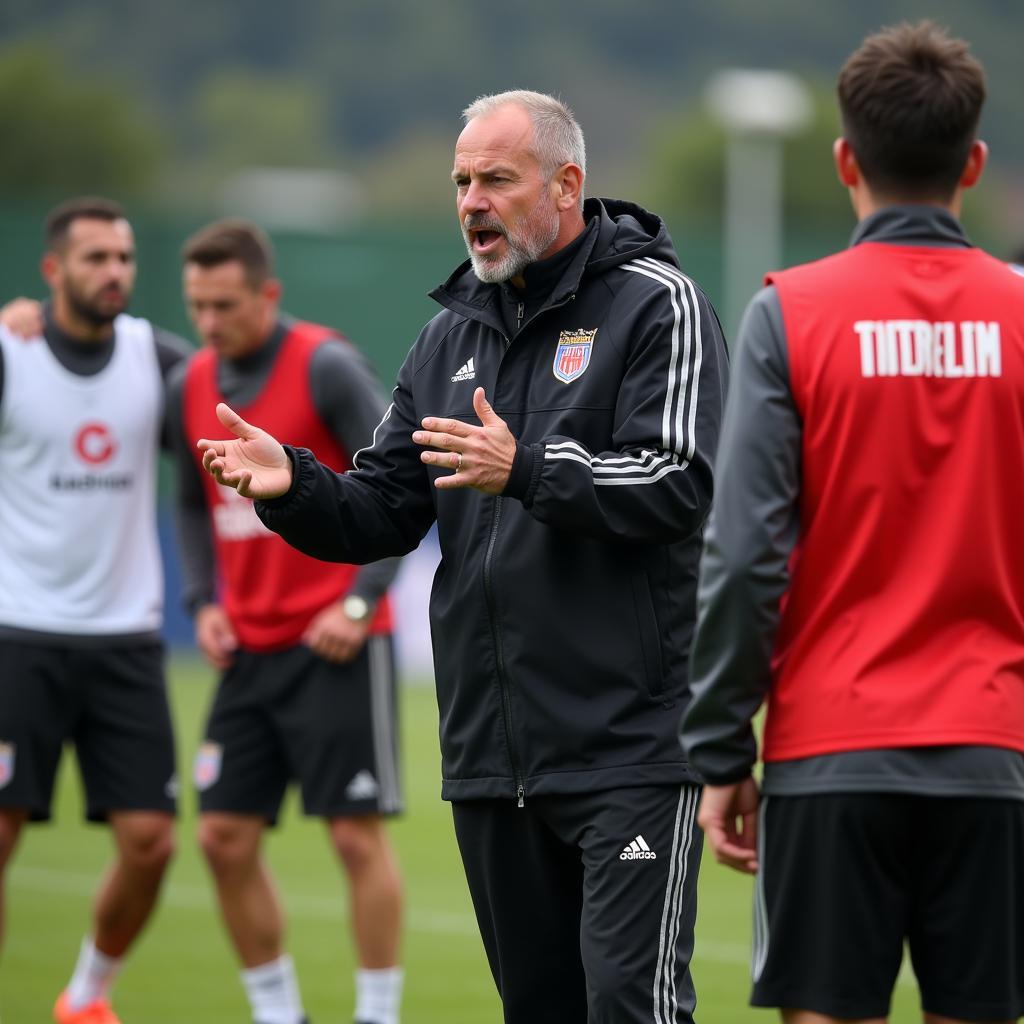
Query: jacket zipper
point(506, 700)
point(503, 683)
point(519, 317)
point(571, 297)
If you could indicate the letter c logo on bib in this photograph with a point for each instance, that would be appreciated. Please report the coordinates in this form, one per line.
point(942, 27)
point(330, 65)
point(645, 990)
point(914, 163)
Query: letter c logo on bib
point(94, 443)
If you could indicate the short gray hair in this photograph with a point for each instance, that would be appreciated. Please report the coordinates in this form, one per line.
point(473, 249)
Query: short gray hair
point(557, 136)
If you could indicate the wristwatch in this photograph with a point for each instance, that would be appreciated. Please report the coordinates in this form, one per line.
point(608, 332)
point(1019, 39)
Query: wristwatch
point(356, 608)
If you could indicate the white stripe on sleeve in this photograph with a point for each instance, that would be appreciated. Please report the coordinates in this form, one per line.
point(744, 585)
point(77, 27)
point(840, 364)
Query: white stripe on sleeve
point(679, 414)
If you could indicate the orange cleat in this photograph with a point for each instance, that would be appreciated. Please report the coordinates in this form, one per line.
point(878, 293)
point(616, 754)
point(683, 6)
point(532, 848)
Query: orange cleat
point(97, 1012)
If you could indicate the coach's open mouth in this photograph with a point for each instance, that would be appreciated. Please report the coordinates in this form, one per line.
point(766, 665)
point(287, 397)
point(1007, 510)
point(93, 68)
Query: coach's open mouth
point(484, 239)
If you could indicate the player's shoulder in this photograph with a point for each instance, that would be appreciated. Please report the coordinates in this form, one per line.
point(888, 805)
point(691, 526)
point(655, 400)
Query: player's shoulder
point(169, 349)
point(335, 350)
point(832, 265)
point(1010, 275)
point(128, 326)
point(310, 333)
point(339, 368)
point(323, 345)
point(176, 376)
point(174, 344)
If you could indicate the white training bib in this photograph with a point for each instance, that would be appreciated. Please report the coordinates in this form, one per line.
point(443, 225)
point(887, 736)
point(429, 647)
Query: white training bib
point(78, 545)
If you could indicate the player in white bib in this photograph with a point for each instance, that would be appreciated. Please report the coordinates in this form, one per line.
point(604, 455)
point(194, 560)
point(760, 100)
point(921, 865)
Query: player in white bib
point(81, 588)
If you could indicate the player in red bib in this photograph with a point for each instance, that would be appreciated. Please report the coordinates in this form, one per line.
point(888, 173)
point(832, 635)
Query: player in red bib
point(307, 690)
point(864, 573)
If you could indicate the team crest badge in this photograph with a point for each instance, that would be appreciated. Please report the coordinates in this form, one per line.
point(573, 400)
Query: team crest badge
point(6, 763)
point(207, 767)
point(572, 356)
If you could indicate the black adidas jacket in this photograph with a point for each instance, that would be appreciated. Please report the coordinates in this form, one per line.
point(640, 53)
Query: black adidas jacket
point(562, 610)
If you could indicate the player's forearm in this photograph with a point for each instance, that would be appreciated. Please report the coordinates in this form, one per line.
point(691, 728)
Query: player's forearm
point(749, 542)
point(372, 580)
point(196, 557)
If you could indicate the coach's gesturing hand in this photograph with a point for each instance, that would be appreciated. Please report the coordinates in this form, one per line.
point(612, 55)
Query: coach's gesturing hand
point(481, 456)
point(255, 464)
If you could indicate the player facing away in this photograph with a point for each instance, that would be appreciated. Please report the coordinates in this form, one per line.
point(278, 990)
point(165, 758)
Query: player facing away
point(864, 573)
point(304, 647)
point(81, 588)
point(557, 418)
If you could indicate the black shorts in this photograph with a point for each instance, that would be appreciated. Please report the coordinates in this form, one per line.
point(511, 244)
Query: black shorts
point(846, 878)
point(292, 715)
point(586, 903)
point(110, 702)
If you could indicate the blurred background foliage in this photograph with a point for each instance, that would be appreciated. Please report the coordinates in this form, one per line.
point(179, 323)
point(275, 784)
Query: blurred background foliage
point(688, 165)
point(61, 131)
point(165, 102)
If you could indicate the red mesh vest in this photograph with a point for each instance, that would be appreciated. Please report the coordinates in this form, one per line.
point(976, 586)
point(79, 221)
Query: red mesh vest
point(904, 621)
point(270, 591)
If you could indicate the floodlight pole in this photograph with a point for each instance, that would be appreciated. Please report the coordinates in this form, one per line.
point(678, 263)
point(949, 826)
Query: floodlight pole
point(758, 110)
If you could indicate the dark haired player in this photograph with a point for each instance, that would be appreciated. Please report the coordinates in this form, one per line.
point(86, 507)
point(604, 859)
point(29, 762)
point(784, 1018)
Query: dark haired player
point(308, 688)
point(864, 572)
point(81, 589)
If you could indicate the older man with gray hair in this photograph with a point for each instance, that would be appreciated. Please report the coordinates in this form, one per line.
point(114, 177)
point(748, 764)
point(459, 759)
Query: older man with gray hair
point(558, 420)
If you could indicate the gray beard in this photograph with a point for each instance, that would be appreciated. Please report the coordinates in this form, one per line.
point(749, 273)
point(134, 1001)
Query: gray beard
point(519, 254)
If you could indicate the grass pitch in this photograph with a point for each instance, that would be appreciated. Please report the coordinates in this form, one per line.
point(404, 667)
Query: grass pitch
point(183, 970)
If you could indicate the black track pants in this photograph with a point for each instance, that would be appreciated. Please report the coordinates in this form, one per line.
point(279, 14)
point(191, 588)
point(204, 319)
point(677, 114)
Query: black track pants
point(586, 904)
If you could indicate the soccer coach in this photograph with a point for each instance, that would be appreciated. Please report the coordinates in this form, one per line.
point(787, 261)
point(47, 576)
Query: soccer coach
point(871, 471)
point(569, 503)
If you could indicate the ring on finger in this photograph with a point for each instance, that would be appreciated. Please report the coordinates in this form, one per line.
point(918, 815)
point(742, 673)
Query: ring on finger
point(458, 462)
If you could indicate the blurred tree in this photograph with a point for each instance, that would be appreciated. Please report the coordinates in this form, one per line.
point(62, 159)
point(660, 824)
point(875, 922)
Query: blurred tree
point(687, 176)
point(389, 74)
point(69, 133)
point(411, 179)
point(244, 118)
point(688, 168)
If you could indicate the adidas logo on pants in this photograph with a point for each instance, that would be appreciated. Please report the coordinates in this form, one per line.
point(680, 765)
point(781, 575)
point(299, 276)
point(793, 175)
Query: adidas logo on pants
point(638, 850)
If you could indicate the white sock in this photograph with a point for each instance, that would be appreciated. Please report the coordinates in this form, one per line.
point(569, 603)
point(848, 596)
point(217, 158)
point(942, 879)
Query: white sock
point(273, 992)
point(94, 974)
point(378, 993)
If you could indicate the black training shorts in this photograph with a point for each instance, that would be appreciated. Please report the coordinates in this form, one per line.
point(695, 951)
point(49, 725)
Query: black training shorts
point(847, 878)
point(292, 715)
point(110, 702)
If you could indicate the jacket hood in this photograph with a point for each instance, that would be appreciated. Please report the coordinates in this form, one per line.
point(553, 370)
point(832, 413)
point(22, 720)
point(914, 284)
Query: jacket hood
point(626, 231)
point(616, 232)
